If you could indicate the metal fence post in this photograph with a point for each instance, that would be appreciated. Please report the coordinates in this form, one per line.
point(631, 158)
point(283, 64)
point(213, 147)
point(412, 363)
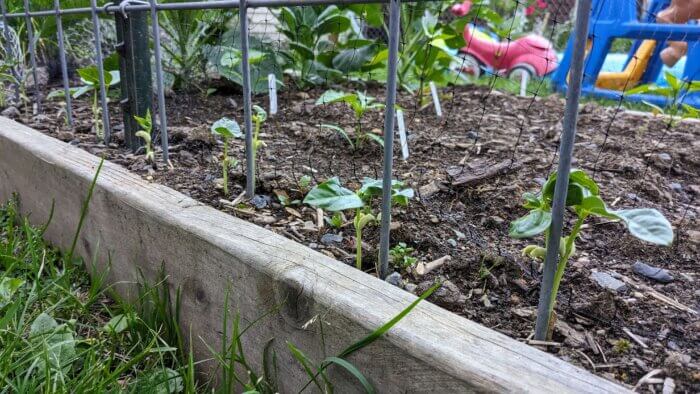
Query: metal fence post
point(32, 51)
point(100, 70)
point(64, 66)
point(566, 150)
point(247, 109)
point(8, 48)
point(155, 27)
point(135, 70)
point(394, 31)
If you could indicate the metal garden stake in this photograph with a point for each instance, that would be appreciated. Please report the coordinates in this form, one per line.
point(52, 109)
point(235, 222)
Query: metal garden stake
point(394, 13)
point(247, 109)
point(566, 150)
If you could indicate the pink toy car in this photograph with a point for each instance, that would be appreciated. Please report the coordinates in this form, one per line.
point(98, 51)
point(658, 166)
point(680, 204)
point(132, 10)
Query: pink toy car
point(531, 54)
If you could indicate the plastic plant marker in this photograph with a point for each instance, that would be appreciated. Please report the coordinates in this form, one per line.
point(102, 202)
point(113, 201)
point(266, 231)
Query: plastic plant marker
point(402, 134)
point(272, 88)
point(436, 99)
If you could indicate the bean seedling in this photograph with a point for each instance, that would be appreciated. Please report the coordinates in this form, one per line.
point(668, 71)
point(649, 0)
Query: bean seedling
point(332, 196)
point(583, 198)
point(259, 117)
point(145, 134)
point(226, 129)
point(360, 103)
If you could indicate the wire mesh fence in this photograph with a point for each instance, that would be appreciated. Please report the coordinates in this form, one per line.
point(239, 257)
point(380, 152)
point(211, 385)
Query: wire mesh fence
point(329, 76)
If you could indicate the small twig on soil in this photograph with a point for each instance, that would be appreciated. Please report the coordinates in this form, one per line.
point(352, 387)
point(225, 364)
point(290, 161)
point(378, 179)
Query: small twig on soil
point(492, 171)
point(587, 358)
point(319, 218)
point(422, 268)
point(661, 297)
point(535, 342)
point(634, 337)
point(645, 378)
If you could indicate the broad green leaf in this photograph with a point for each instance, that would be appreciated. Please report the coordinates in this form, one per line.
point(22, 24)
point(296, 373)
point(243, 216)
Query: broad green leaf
point(580, 177)
point(331, 196)
point(8, 288)
point(334, 96)
point(535, 222)
point(334, 24)
point(647, 224)
point(595, 205)
point(672, 81)
point(89, 74)
point(402, 196)
point(532, 200)
point(55, 342)
point(145, 122)
point(119, 323)
point(227, 128)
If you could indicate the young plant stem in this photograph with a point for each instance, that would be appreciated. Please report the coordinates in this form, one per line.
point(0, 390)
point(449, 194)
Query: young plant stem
point(563, 259)
point(256, 134)
point(358, 240)
point(224, 165)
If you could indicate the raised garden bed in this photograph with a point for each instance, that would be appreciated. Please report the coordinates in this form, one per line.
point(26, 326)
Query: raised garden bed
point(620, 334)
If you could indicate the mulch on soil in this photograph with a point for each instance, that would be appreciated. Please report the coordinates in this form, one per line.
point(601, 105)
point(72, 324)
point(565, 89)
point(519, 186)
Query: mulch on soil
point(470, 169)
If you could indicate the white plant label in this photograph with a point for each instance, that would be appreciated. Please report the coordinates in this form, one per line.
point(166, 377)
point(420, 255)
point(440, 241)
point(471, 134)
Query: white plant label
point(272, 87)
point(524, 79)
point(436, 99)
point(402, 134)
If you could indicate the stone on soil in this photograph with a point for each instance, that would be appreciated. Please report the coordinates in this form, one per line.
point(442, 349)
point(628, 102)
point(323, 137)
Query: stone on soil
point(607, 281)
point(330, 238)
point(658, 274)
point(394, 279)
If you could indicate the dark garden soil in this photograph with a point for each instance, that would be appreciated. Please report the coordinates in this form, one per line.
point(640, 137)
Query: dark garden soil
point(623, 332)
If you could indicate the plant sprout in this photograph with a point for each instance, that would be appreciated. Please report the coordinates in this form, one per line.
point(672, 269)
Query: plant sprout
point(360, 103)
point(583, 198)
point(674, 92)
point(145, 134)
point(89, 76)
point(226, 129)
point(259, 117)
point(332, 196)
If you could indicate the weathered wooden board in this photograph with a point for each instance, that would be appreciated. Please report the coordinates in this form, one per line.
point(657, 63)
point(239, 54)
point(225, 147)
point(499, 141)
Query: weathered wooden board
point(145, 226)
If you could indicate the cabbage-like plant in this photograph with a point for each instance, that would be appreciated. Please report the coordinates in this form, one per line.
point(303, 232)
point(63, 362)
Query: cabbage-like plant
point(583, 198)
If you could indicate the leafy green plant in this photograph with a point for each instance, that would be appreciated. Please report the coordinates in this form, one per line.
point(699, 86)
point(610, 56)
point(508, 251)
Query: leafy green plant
point(6, 78)
point(584, 200)
point(674, 91)
point(146, 125)
point(401, 255)
point(304, 183)
point(227, 129)
point(336, 220)
point(312, 36)
point(360, 103)
point(89, 76)
point(332, 196)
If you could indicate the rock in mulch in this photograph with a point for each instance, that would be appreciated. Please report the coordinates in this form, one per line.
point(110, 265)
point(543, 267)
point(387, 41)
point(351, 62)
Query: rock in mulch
point(607, 281)
point(658, 274)
point(260, 201)
point(394, 278)
point(11, 112)
point(330, 239)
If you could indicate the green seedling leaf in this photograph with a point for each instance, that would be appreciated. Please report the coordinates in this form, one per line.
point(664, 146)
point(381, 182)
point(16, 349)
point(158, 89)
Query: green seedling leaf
point(647, 224)
point(334, 24)
point(260, 113)
point(332, 196)
point(8, 288)
point(146, 137)
point(580, 177)
point(594, 205)
point(532, 200)
point(379, 140)
point(227, 128)
point(535, 222)
point(145, 122)
point(334, 96)
point(340, 131)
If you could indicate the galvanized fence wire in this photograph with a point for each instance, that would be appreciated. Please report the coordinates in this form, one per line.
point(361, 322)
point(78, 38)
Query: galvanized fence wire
point(249, 40)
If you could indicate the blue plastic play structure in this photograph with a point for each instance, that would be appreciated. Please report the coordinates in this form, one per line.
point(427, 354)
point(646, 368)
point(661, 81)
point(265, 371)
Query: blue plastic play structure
point(611, 19)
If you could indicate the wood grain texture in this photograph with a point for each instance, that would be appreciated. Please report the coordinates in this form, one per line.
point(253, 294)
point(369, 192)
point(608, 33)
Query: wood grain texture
point(143, 226)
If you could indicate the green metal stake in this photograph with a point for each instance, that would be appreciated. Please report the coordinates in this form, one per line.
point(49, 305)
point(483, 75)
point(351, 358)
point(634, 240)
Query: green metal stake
point(135, 69)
